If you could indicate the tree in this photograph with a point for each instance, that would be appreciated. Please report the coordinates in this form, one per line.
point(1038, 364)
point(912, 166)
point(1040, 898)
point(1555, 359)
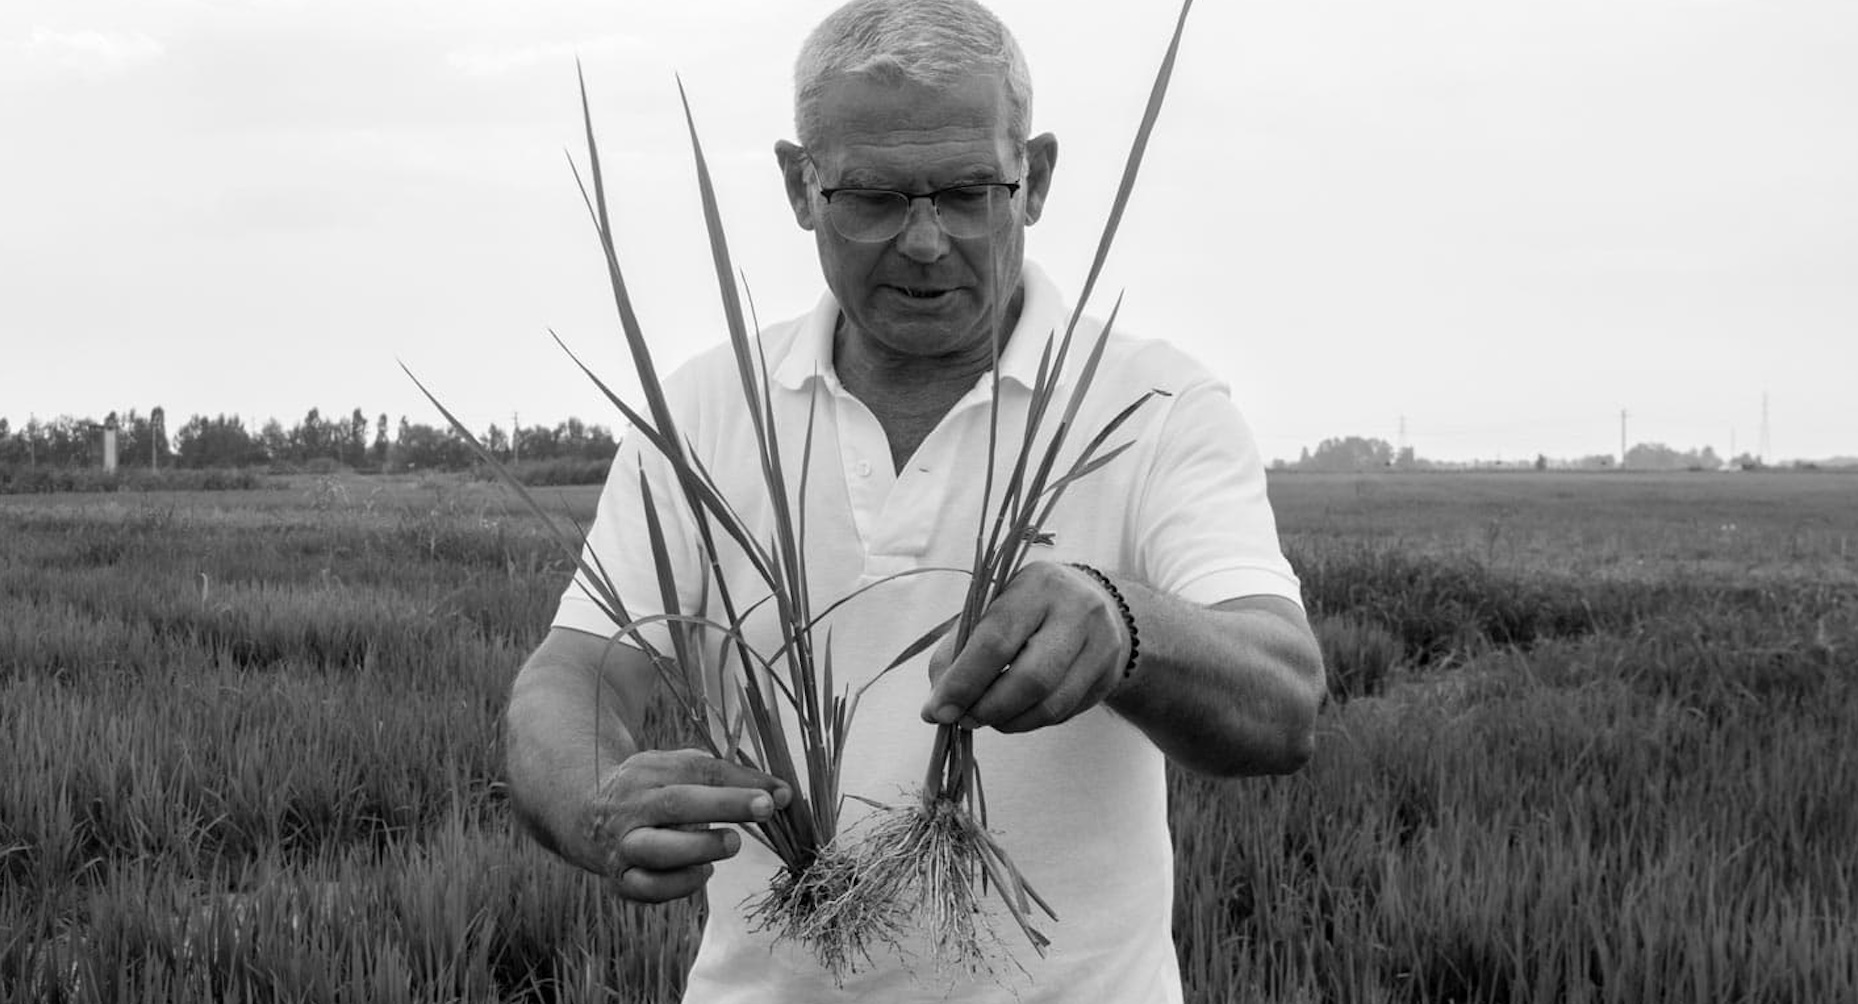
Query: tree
point(580, 441)
point(422, 447)
point(1659, 457)
point(355, 444)
point(32, 433)
point(539, 442)
point(217, 442)
point(275, 440)
point(310, 439)
point(377, 454)
point(1352, 453)
point(396, 459)
point(62, 442)
point(158, 434)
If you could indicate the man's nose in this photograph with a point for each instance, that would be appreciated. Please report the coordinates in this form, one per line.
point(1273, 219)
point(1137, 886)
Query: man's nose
point(921, 238)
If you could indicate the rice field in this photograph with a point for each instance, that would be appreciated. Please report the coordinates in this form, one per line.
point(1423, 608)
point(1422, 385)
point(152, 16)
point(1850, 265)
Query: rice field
point(1588, 741)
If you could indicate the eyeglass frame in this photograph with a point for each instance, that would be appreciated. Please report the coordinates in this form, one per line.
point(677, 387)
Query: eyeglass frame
point(1012, 190)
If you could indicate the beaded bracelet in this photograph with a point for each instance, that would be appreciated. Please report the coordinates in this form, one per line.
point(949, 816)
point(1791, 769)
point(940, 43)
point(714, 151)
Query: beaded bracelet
point(1122, 605)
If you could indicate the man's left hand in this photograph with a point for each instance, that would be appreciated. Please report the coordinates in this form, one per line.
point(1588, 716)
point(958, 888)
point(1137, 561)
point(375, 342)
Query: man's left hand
point(1051, 646)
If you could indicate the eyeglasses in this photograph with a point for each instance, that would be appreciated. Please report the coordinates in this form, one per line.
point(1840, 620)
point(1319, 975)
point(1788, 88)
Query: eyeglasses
point(870, 215)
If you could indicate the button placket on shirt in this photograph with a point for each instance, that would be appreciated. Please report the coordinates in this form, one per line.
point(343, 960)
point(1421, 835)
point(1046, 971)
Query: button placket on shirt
point(927, 486)
point(863, 460)
point(897, 513)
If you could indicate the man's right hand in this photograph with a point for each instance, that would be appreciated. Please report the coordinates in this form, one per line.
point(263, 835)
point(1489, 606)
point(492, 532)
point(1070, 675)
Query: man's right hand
point(649, 825)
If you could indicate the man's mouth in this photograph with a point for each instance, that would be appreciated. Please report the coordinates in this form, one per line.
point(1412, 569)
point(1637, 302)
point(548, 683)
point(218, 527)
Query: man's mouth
point(921, 292)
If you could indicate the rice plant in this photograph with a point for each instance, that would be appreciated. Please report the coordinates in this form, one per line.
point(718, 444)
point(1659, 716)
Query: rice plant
point(734, 700)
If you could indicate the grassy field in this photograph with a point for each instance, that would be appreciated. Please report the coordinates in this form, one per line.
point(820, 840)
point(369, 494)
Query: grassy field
point(1589, 741)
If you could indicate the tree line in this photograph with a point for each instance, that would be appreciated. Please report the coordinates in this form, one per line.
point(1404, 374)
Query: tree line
point(224, 441)
point(1357, 453)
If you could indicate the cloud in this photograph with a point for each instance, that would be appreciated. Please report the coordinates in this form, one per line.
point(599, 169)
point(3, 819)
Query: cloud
point(90, 53)
point(488, 61)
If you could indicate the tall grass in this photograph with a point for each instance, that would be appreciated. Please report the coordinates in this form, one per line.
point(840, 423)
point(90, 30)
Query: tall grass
point(1657, 808)
point(23, 480)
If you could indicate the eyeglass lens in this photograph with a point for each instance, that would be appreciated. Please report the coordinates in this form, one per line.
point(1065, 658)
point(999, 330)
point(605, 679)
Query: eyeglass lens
point(875, 215)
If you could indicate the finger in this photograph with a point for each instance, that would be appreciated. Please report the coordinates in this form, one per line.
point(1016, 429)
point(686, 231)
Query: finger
point(941, 658)
point(690, 766)
point(1038, 673)
point(646, 886)
point(1081, 690)
point(1095, 668)
point(995, 643)
point(658, 849)
point(678, 804)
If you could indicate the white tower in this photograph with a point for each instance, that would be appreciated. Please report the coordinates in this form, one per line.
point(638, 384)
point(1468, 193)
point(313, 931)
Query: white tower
point(1762, 450)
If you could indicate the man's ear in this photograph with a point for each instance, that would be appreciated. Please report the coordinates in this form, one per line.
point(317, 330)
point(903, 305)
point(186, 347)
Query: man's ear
point(793, 163)
point(1041, 159)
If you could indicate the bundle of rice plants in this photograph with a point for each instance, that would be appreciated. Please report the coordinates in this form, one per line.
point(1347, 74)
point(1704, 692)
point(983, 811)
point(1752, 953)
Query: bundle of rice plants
point(733, 695)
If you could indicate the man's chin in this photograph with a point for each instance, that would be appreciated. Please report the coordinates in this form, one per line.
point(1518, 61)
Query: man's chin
point(927, 333)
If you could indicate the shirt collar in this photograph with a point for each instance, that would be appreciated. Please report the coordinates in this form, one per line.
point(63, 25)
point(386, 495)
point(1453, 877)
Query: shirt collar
point(1042, 315)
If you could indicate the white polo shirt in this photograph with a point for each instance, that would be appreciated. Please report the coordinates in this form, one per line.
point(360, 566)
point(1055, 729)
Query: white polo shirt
point(1081, 806)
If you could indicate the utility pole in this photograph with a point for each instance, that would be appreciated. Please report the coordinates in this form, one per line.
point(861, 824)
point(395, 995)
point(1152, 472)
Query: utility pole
point(515, 435)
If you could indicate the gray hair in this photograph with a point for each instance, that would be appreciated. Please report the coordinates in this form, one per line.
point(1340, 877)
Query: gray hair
point(930, 42)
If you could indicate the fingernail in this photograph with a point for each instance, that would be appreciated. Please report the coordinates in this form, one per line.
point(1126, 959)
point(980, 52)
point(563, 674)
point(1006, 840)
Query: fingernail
point(969, 723)
point(732, 842)
point(947, 714)
point(783, 797)
point(762, 806)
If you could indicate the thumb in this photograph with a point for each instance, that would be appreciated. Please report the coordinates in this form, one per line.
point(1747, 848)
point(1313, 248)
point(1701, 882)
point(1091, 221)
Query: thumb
point(941, 658)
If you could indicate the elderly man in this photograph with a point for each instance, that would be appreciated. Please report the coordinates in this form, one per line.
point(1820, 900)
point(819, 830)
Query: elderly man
point(917, 174)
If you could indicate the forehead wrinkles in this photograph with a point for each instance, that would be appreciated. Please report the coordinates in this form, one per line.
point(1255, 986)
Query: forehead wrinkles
point(948, 154)
point(913, 128)
point(915, 153)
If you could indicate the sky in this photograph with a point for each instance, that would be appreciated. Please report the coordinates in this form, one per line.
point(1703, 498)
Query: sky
point(1482, 228)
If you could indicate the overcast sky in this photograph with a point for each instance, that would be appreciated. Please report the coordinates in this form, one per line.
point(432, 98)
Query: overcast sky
point(1504, 221)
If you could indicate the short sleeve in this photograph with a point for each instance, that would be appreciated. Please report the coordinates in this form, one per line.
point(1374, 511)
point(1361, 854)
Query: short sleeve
point(618, 546)
point(1205, 529)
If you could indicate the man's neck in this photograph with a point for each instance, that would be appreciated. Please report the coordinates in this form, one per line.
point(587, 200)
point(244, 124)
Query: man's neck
point(910, 394)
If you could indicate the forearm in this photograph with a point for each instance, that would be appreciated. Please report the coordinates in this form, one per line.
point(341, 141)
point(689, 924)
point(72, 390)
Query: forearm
point(564, 729)
point(1229, 690)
